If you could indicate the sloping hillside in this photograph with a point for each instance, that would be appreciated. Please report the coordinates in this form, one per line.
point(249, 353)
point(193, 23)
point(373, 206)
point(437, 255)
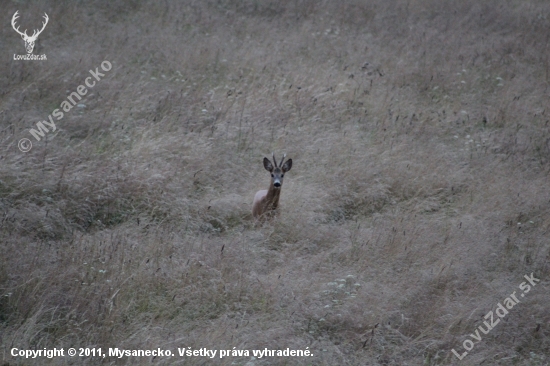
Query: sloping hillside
point(417, 201)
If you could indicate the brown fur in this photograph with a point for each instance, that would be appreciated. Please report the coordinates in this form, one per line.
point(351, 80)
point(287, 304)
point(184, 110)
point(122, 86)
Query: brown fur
point(266, 202)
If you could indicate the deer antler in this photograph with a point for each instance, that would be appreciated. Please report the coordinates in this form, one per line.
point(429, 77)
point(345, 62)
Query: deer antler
point(283, 159)
point(274, 161)
point(36, 32)
point(15, 16)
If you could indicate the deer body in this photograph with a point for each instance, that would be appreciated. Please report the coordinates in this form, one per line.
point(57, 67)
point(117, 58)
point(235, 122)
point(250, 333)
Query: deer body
point(267, 201)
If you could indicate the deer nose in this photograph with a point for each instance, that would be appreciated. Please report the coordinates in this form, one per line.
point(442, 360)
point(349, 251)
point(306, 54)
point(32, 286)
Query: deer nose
point(277, 184)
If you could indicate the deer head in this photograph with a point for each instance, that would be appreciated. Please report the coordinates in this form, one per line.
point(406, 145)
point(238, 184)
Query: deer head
point(277, 172)
point(29, 41)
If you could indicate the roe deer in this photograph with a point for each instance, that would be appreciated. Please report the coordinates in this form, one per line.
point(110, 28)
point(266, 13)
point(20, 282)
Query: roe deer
point(266, 201)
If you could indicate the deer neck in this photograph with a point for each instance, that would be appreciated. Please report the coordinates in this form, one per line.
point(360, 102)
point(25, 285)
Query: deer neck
point(272, 196)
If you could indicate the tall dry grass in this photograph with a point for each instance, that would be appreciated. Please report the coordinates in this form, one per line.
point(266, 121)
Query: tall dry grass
point(417, 201)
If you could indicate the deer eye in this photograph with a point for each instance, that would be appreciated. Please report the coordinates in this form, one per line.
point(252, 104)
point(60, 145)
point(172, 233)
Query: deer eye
point(271, 175)
point(282, 175)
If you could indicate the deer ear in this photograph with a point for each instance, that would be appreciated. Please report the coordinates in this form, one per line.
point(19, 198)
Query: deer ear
point(286, 166)
point(267, 165)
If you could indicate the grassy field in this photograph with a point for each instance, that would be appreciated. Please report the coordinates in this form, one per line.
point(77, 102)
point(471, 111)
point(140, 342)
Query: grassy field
point(417, 201)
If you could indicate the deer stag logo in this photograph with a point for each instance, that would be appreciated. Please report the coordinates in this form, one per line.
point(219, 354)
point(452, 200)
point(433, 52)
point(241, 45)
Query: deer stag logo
point(29, 41)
